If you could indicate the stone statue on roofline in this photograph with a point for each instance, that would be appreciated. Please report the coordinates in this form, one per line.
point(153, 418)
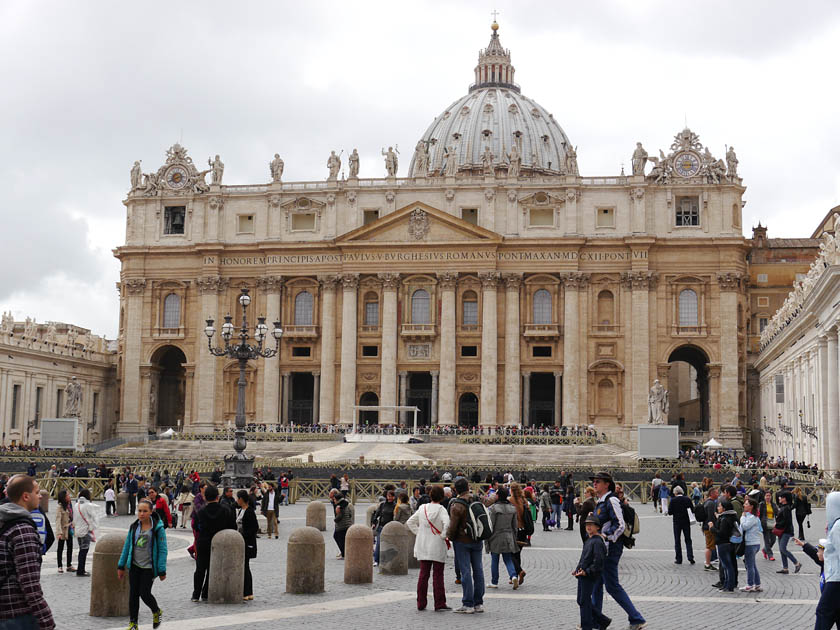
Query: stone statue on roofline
point(217, 168)
point(640, 157)
point(334, 165)
point(391, 161)
point(276, 166)
point(353, 163)
point(136, 175)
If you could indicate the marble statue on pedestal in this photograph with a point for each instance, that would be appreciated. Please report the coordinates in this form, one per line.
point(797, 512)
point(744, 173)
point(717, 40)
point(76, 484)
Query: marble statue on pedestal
point(451, 162)
point(353, 163)
point(334, 165)
point(218, 169)
point(136, 175)
point(391, 162)
point(658, 404)
point(515, 159)
point(731, 164)
point(571, 161)
point(640, 157)
point(73, 399)
point(276, 165)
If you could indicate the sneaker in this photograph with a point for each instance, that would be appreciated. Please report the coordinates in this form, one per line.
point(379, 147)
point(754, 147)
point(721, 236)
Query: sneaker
point(746, 589)
point(443, 608)
point(691, 562)
point(515, 582)
point(708, 567)
point(478, 608)
point(717, 585)
point(465, 610)
point(637, 626)
point(376, 564)
point(60, 570)
point(757, 589)
point(156, 618)
point(491, 585)
point(783, 571)
point(193, 599)
point(132, 625)
point(797, 568)
point(772, 559)
point(765, 553)
point(82, 574)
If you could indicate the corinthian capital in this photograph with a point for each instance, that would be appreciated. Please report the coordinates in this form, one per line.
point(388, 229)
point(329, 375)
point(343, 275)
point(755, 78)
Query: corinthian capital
point(270, 284)
point(212, 284)
point(350, 281)
point(489, 279)
point(638, 280)
point(135, 286)
point(730, 281)
point(447, 279)
point(328, 281)
point(389, 280)
point(575, 280)
point(512, 280)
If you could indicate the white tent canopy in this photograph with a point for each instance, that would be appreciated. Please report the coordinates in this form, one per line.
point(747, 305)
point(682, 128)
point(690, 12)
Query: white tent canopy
point(713, 443)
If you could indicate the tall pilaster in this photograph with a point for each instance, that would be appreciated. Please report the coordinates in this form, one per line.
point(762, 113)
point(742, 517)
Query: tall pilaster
point(526, 398)
point(730, 286)
point(326, 406)
point(558, 387)
point(403, 396)
point(446, 402)
point(489, 348)
point(284, 406)
point(209, 288)
point(832, 433)
point(316, 397)
point(388, 374)
point(573, 283)
point(350, 286)
point(640, 283)
point(272, 286)
point(131, 421)
point(434, 411)
point(513, 281)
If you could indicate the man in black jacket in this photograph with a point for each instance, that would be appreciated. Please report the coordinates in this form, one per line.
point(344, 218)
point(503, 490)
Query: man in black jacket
point(212, 519)
point(384, 514)
point(679, 508)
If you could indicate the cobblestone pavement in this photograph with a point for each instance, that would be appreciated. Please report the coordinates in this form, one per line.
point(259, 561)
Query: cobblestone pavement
point(669, 596)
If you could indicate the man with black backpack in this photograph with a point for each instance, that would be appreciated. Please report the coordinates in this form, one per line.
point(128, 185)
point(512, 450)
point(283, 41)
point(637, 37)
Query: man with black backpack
point(466, 531)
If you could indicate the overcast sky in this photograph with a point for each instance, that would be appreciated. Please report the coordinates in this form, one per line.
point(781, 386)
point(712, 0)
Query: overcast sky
point(89, 87)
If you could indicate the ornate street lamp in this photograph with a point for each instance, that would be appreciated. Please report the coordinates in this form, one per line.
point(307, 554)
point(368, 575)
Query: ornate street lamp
point(239, 467)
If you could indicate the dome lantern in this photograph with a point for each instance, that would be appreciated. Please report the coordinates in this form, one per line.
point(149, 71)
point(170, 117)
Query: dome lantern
point(494, 68)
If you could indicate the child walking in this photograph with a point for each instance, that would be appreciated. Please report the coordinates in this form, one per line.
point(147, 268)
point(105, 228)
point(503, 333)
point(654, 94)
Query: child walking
point(589, 567)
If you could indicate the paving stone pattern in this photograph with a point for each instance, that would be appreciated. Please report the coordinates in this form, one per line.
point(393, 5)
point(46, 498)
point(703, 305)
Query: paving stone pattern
point(669, 596)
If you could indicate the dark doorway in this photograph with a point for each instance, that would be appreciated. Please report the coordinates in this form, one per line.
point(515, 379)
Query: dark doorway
point(368, 417)
point(171, 387)
point(468, 410)
point(300, 401)
point(419, 395)
point(689, 389)
point(541, 412)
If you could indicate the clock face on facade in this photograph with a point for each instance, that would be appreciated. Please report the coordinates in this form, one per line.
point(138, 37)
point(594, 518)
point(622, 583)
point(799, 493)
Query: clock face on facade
point(687, 164)
point(176, 177)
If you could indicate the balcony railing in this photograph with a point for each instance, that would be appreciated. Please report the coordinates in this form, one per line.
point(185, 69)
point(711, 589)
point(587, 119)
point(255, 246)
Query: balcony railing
point(300, 332)
point(542, 331)
point(418, 331)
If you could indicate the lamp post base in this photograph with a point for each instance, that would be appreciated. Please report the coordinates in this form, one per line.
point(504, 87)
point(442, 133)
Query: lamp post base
point(239, 471)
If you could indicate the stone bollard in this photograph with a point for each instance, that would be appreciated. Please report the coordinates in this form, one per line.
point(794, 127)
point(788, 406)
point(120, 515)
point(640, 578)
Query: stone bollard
point(305, 561)
point(44, 504)
point(122, 503)
point(369, 517)
point(413, 563)
point(316, 515)
point(227, 568)
point(358, 555)
point(108, 594)
point(393, 549)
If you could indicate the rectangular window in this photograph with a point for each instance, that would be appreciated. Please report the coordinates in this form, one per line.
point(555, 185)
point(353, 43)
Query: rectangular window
point(371, 313)
point(470, 313)
point(541, 351)
point(39, 395)
point(245, 224)
point(541, 217)
point(370, 216)
point(469, 351)
point(59, 400)
point(301, 351)
point(762, 277)
point(303, 221)
point(95, 408)
point(15, 405)
point(780, 388)
point(688, 212)
point(762, 324)
point(174, 218)
point(470, 215)
point(763, 301)
point(605, 218)
point(370, 351)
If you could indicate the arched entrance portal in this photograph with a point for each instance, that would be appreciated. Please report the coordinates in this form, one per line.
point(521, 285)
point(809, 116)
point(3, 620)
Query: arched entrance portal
point(688, 386)
point(368, 417)
point(468, 411)
point(171, 387)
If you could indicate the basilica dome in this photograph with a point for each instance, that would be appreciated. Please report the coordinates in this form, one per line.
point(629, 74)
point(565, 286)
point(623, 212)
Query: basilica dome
point(494, 114)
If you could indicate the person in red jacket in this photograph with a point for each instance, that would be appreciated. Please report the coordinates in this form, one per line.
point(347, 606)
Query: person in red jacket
point(161, 507)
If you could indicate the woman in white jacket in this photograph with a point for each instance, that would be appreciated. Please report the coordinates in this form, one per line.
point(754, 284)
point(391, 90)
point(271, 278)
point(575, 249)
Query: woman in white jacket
point(429, 524)
point(85, 522)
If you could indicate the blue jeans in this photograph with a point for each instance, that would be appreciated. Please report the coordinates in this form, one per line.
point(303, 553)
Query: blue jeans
point(828, 610)
point(376, 548)
point(24, 622)
point(609, 580)
point(507, 558)
point(557, 513)
point(783, 543)
point(749, 561)
point(725, 557)
point(468, 557)
point(589, 617)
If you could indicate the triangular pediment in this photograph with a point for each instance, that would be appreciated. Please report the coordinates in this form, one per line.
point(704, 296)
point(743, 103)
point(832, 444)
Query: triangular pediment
point(419, 223)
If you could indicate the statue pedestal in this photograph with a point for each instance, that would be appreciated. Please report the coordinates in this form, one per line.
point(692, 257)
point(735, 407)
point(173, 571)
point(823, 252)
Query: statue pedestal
point(658, 441)
point(239, 471)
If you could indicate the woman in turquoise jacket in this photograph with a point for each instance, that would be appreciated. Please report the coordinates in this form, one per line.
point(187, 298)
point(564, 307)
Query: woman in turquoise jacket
point(828, 610)
point(144, 554)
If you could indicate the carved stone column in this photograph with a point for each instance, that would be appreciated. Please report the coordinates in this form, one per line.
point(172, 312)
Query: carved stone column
point(403, 391)
point(558, 387)
point(350, 286)
point(446, 404)
point(284, 409)
point(316, 397)
point(513, 281)
point(832, 435)
point(131, 421)
point(526, 399)
point(434, 411)
point(272, 286)
point(714, 397)
point(573, 283)
point(489, 348)
point(388, 375)
point(326, 406)
point(640, 283)
point(730, 287)
point(208, 384)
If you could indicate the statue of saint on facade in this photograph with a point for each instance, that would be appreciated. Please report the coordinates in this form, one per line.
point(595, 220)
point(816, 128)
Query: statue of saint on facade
point(658, 404)
point(29, 327)
point(731, 164)
point(276, 165)
point(571, 161)
point(73, 399)
point(136, 175)
point(515, 160)
point(334, 165)
point(421, 159)
point(7, 323)
point(451, 161)
point(218, 169)
point(353, 163)
point(487, 161)
point(640, 157)
point(391, 161)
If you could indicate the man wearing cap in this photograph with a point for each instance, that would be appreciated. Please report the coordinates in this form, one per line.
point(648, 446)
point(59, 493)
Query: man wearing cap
point(608, 511)
point(679, 508)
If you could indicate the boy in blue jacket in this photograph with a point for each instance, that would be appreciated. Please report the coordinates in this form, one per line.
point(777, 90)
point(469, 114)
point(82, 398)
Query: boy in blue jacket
point(588, 570)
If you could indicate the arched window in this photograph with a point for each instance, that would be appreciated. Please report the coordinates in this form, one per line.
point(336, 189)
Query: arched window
point(605, 308)
point(542, 307)
point(371, 309)
point(469, 304)
point(303, 309)
point(172, 311)
point(688, 308)
point(420, 312)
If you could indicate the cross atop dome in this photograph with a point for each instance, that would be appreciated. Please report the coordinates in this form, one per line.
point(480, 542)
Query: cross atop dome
point(494, 68)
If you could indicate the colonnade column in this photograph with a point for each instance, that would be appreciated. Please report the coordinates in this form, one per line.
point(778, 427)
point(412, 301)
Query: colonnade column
point(206, 365)
point(489, 348)
point(730, 285)
point(640, 284)
point(284, 408)
point(350, 285)
point(558, 388)
point(446, 399)
point(326, 405)
point(132, 293)
point(273, 287)
point(832, 424)
point(512, 337)
point(526, 398)
point(316, 397)
point(433, 420)
point(403, 387)
point(388, 375)
point(571, 347)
